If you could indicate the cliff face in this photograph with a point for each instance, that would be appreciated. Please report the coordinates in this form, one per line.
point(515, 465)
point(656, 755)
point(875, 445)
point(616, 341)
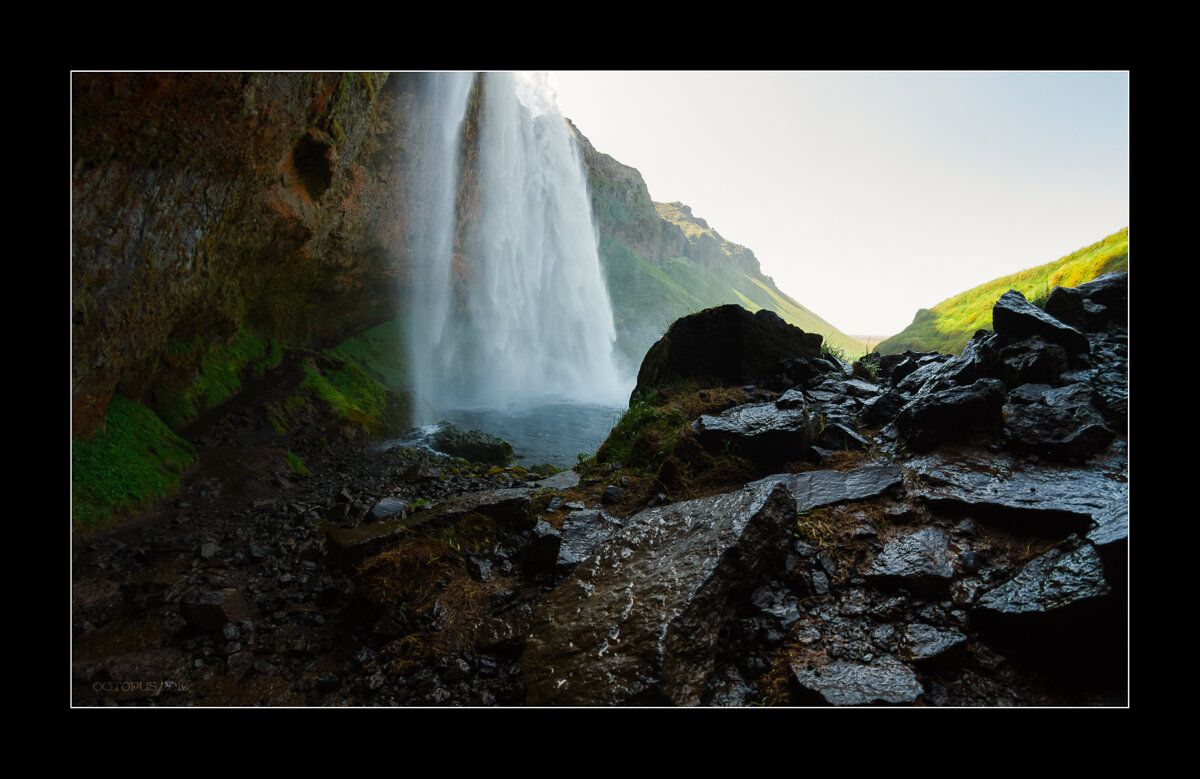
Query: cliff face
point(208, 203)
point(705, 245)
point(663, 262)
point(208, 206)
point(623, 208)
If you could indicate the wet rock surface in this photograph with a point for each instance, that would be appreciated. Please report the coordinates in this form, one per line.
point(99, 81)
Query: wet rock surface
point(762, 431)
point(473, 445)
point(639, 621)
point(845, 683)
point(922, 566)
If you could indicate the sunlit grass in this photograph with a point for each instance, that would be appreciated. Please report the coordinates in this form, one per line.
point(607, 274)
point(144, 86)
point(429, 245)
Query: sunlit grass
point(950, 324)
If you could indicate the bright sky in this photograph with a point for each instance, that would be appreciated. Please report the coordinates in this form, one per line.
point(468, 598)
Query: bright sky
point(869, 195)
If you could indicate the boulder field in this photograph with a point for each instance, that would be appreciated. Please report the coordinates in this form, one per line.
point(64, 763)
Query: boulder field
point(908, 530)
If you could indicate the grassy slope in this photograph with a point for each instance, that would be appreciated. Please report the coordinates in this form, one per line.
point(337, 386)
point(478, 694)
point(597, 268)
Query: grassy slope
point(127, 466)
point(950, 324)
point(647, 298)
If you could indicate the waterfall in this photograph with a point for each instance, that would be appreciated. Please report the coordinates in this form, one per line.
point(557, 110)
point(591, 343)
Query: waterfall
point(430, 208)
point(524, 313)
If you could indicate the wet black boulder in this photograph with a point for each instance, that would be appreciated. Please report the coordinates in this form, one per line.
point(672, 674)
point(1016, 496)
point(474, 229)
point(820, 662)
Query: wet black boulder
point(733, 347)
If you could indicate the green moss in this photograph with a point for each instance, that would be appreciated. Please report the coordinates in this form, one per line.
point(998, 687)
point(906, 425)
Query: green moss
point(295, 403)
point(296, 465)
point(645, 435)
point(353, 395)
point(133, 462)
point(280, 424)
point(378, 352)
point(218, 378)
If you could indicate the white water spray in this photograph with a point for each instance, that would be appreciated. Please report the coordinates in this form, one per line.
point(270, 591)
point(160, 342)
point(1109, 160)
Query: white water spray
point(531, 319)
point(434, 137)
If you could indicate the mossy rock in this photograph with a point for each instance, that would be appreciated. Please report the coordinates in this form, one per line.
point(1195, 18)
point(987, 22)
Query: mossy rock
point(473, 445)
point(133, 462)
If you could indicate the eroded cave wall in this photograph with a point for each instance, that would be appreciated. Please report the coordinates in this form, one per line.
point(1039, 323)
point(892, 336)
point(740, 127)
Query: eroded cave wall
point(203, 204)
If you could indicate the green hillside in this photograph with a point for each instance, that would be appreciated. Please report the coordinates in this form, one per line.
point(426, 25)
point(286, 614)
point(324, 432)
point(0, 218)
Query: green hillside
point(950, 324)
point(647, 298)
point(661, 262)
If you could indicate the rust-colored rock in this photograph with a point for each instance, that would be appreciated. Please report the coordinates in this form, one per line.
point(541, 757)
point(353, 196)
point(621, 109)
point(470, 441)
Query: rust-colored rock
point(203, 203)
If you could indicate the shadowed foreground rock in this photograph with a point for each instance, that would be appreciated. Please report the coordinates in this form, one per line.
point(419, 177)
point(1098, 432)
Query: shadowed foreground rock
point(990, 569)
point(639, 622)
point(843, 683)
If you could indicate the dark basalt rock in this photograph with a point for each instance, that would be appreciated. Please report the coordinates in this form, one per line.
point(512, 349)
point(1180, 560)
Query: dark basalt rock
point(1112, 524)
point(1070, 306)
point(543, 549)
point(765, 432)
point(639, 621)
point(1057, 614)
point(1031, 360)
point(509, 508)
point(473, 445)
point(845, 683)
point(350, 547)
point(917, 559)
point(928, 375)
point(980, 358)
point(1015, 316)
point(730, 345)
point(1111, 289)
point(777, 602)
point(839, 436)
point(855, 388)
point(882, 408)
point(815, 489)
point(1056, 422)
point(1058, 578)
point(951, 414)
point(894, 368)
point(930, 645)
point(1042, 499)
point(582, 533)
point(1092, 305)
point(1109, 375)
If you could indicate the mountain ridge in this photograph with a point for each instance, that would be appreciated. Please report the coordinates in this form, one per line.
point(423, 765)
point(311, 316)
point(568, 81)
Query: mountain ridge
point(663, 262)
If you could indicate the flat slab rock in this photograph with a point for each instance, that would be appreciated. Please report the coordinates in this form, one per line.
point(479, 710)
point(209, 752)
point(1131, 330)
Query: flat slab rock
point(1058, 578)
point(1096, 492)
point(814, 489)
point(766, 431)
point(639, 621)
point(845, 683)
point(582, 532)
